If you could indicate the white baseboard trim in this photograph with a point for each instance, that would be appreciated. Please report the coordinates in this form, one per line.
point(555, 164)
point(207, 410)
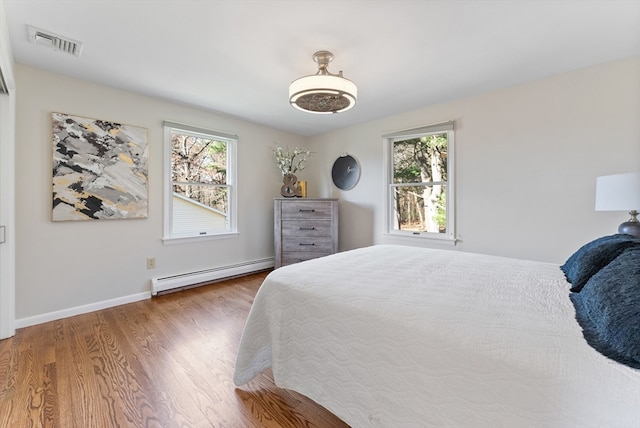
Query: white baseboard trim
point(157, 285)
point(79, 310)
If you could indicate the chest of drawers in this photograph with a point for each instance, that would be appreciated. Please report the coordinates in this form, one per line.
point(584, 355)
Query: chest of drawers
point(304, 229)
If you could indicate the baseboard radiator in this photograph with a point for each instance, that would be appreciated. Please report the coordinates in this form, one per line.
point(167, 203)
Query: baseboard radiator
point(190, 279)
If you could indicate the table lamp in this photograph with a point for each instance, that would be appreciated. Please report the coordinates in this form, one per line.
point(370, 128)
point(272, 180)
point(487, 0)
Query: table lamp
point(620, 192)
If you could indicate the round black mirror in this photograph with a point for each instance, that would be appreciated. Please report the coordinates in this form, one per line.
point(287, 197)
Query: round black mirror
point(345, 172)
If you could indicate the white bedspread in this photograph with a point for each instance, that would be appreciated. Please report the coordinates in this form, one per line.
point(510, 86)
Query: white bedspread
point(393, 336)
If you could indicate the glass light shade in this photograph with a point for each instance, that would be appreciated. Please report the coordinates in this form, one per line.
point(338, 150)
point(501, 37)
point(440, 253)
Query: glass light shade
point(620, 192)
point(323, 94)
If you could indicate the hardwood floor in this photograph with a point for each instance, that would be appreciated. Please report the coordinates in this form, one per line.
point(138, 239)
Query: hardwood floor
point(163, 362)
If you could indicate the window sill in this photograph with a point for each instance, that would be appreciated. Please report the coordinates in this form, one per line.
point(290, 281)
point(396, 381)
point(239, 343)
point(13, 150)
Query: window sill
point(431, 238)
point(199, 238)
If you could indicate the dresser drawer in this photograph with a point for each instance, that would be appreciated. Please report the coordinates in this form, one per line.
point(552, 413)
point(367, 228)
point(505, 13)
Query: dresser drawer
point(308, 244)
point(289, 258)
point(306, 228)
point(306, 210)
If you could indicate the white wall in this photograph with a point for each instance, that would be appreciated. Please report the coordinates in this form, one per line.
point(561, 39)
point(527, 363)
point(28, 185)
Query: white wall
point(7, 180)
point(527, 161)
point(64, 265)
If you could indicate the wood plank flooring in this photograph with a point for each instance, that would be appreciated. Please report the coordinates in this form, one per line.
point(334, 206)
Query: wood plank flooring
point(163, 362)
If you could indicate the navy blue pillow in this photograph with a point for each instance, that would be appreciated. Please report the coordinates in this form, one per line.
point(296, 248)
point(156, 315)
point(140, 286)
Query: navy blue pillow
point(595, 255)
point(608, 309)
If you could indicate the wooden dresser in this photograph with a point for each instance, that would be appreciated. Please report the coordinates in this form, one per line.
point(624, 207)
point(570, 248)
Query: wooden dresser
point(304, 229)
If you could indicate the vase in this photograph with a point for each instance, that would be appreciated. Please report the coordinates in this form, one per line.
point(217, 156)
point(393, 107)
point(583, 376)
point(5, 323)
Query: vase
point(290, 188)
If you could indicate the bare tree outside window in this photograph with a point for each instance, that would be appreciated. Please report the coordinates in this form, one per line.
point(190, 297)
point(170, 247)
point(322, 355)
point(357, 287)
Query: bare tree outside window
point(199, 170)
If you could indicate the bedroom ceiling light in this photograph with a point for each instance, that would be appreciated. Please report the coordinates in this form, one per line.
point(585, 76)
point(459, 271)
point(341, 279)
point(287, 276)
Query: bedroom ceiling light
point(620, 192)
point(323, 92)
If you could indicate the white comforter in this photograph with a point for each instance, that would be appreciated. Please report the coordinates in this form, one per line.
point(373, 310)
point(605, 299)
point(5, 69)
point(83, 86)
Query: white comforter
point(393, 336)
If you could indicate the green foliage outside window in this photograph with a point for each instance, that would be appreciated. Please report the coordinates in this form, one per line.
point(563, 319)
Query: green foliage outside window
point(420, 183)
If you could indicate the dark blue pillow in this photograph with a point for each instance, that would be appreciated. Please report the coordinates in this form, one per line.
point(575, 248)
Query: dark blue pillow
point(595, 255)
point(608, 309)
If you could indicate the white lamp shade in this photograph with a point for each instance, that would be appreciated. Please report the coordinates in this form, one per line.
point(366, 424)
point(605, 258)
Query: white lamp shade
point(620, 192)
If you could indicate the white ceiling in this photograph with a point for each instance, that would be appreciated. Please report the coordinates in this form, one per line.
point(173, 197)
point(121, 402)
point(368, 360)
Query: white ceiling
point(239, 57)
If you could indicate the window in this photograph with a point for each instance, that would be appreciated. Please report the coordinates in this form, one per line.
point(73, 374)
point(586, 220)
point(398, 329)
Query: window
point(420, 182)
point(200, 195)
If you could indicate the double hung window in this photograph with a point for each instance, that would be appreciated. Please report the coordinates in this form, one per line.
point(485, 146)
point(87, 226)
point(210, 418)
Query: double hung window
point(200, 191)
point(420, 201)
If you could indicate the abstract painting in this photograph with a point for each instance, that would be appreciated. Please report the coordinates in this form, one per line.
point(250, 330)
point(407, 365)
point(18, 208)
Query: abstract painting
point(99, 169)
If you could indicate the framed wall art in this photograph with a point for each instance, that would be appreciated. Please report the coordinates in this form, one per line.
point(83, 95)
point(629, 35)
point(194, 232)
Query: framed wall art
point(100, 169)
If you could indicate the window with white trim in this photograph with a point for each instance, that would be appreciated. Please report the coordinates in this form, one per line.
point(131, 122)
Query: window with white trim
point(200, 191)
point(420, 191)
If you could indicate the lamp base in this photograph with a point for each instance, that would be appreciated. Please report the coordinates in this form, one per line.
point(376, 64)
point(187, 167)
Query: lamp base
point(631, 227)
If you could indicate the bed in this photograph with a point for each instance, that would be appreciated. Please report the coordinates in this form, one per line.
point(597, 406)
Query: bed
point(397, 336)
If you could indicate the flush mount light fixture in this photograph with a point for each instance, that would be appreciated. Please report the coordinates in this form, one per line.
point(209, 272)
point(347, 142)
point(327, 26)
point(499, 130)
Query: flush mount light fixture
point(323, 92)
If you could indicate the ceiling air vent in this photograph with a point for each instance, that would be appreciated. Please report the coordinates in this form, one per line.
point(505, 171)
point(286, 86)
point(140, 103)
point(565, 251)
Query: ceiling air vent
point(54, 41)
